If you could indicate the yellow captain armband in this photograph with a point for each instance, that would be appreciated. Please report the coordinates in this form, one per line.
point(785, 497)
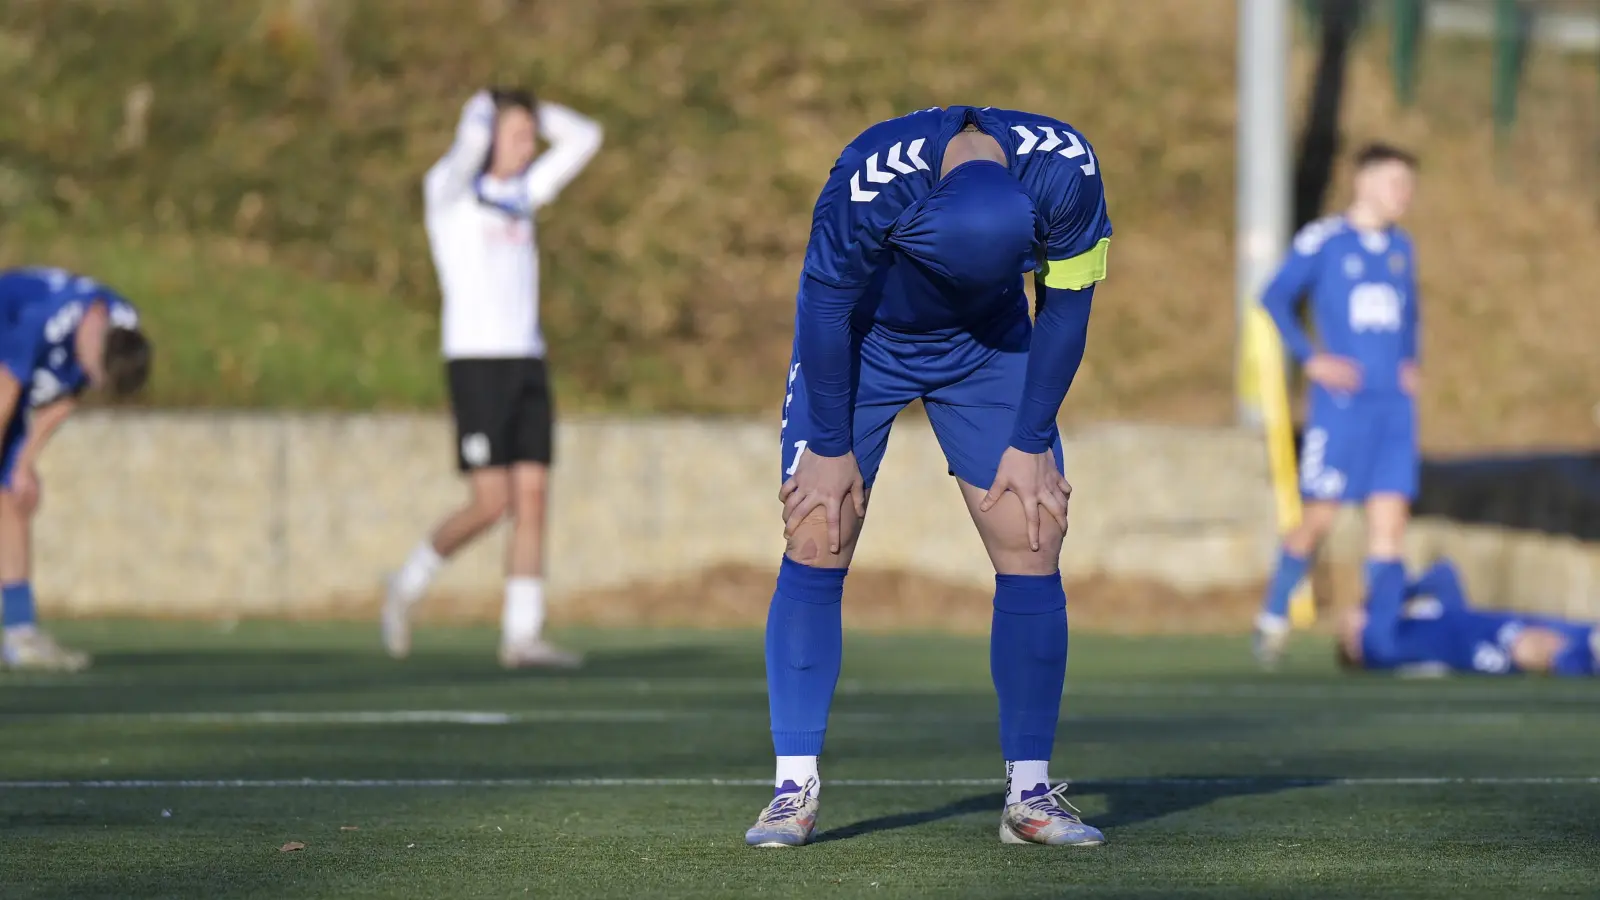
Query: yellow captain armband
point(1080, 271)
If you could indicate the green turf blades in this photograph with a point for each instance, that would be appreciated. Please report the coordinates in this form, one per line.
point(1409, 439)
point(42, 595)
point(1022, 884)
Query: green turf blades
point(1209, 780)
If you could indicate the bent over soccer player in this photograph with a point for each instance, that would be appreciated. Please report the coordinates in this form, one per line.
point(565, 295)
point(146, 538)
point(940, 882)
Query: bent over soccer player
point(912, 289)
point(60, 334)
point(1431, 627)
point(1361, 435)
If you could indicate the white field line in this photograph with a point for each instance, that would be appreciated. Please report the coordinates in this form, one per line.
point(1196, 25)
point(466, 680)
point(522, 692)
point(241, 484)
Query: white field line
point(1433, 691)
point(1083, 785)
point(670, 716)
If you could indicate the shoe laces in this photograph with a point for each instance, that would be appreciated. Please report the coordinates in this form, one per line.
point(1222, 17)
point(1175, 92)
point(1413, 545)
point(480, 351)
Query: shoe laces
point(1055, 805)
point(784, 806)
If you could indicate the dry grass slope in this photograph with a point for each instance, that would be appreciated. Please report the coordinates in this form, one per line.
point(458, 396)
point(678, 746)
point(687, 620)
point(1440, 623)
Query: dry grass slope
point(295, 131)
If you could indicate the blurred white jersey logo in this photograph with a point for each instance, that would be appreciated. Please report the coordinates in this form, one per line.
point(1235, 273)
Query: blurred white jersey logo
point(1374, 307)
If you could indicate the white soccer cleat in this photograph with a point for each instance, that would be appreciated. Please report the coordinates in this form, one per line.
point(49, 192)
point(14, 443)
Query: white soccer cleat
point(1047, 818)
point(1271, 639)
point(32, 650)
point(537, 654)
point(395, 620)
point(789, 820)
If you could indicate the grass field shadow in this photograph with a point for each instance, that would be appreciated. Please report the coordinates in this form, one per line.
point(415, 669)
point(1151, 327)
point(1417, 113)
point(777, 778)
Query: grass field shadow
point(1127, 804)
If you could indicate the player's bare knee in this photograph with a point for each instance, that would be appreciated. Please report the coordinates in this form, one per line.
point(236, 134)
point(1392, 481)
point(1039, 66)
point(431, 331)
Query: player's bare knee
point(528, 503)
point(1315, 524)
point(1012, 553)
point(489, 504)
point(808, 543)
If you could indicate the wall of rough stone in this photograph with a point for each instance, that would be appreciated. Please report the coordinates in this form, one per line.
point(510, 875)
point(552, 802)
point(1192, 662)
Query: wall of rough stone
point(237, 514)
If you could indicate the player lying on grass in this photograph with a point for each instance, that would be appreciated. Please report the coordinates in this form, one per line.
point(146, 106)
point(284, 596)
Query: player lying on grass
point(1432, 628)
point(60, 334)
point(912, 289)
point(1357, 270)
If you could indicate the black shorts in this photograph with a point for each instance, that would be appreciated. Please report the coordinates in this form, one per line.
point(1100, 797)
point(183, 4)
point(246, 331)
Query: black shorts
point(503, 411)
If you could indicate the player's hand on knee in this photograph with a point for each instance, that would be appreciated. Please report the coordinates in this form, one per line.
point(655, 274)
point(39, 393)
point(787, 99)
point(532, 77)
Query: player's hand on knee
point(824, 482)
point(1336, 373)
point(1036, 482)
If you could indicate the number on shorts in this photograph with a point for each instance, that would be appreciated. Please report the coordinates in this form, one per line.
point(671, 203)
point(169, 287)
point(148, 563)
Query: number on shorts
point(799, 448)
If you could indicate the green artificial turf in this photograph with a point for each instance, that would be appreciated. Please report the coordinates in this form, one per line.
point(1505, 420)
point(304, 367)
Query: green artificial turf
point(189, 755)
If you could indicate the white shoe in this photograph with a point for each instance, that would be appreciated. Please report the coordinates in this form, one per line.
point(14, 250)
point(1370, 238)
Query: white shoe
point(788, 820)
point(1047, 819)
point(1271, 639)
point(32, 650)
point(395, 620)
point(537, 654)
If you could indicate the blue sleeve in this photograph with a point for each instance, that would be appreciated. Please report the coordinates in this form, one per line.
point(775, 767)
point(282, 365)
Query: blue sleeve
point(23, 343)
point(1060, 334)
point(1281, 299)
point(1077, 237)
point(1410, 336)
point(849, 227)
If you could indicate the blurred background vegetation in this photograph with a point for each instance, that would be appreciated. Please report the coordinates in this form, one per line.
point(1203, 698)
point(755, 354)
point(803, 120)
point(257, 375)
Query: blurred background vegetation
point(248, 171)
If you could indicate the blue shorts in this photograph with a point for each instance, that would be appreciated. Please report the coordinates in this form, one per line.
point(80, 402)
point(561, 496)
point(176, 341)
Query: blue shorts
point(1359, 446)
point(969, 387)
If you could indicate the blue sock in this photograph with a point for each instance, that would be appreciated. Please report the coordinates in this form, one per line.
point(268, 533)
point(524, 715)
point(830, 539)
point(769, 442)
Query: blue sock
point(1386, 587)
point(1028, 660)
point(16, 604)
point(1577, 659)
point(1290, 572)
point(805, 642)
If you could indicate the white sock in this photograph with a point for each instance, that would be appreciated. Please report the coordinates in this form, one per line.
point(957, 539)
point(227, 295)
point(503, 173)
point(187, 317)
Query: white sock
point(522, 617)
point(412, 581)
point(798, 769)
point(1026, 775)
point(1271, 624)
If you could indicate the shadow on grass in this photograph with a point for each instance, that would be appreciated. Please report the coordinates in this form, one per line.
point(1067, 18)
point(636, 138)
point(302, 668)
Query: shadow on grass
point(1128, 804)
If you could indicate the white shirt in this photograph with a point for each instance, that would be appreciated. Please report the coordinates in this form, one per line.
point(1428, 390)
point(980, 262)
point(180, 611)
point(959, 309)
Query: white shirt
point(481, 230)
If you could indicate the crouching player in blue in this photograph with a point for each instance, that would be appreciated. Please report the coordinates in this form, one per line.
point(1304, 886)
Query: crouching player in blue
point(1360, 444)
point(912, 289)
point(60, 334)
point(1431, 629)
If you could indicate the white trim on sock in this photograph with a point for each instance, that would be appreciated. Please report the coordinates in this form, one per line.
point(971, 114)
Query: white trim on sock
point(1025, 775)
point(522, 616)
point(1271, 624)
point(798, 769)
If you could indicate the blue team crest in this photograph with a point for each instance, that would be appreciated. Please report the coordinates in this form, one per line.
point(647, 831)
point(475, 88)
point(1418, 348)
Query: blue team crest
point(1397, 263)
point(1353, 266)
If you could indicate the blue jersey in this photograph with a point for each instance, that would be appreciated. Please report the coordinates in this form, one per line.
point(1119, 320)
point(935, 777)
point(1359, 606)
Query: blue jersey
point(40, 310)
point(875, 190)
point(1362, 287)
point(1431, 632)
point(1433, 627)
point(896, 248)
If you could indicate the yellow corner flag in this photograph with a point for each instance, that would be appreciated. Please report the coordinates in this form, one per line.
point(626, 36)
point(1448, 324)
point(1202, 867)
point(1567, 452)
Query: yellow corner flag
point(1263, 359)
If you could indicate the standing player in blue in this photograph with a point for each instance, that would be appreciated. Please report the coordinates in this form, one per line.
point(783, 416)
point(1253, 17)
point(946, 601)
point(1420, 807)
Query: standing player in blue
point(1360, 274)
point(60, 334)
point(912, 289)
point(1432, 629)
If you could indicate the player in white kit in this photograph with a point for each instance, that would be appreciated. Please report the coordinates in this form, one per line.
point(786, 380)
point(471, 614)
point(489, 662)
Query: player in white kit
point(481, 200)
